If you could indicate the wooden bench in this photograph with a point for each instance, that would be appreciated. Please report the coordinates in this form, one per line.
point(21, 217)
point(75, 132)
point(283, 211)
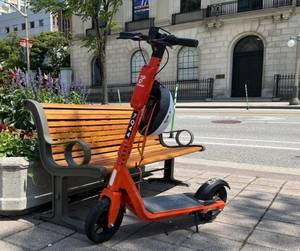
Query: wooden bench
point(83, 140)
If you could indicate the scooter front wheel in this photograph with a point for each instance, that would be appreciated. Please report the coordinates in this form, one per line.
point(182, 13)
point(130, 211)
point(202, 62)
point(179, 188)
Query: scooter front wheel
point(96, 223)
point(219, 194)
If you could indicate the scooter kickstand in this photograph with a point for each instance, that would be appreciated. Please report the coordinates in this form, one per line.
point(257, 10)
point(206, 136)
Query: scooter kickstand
point(196, 222)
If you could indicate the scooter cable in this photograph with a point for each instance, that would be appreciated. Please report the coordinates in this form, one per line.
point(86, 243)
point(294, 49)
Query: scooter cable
point(142, 150)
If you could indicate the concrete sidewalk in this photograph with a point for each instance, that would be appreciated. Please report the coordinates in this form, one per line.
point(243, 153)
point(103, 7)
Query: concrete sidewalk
point(262, 213)
point(237, 105)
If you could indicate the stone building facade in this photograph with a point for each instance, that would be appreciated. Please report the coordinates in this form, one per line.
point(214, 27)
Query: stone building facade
point(243, 41)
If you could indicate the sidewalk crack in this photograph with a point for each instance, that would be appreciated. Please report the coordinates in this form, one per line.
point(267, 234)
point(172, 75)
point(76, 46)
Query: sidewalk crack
point(261, 218)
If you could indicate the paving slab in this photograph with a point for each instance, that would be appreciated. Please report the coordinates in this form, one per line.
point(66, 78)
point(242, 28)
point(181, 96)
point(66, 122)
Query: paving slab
point(262, 188)
point(240, 178)
point(169, 233)
point(247, 211)
point(34, 238)
point(292, 185)
point(237, 220)
point(288, 199)
point(280, 227)
point(245, 202)
point(56, 228)
point(233, 193)
point(211, 175)
point(5, 246)
point(71, 243)
point(256, 195)
point(253, 247)
point(274, 240)
point(290, 191)
point(289, 216)
point(268, 182)
point(205, 241)
point(146, 244)
point(237, 185)
point(229, 231)
point(130, 226)
point(9, 227)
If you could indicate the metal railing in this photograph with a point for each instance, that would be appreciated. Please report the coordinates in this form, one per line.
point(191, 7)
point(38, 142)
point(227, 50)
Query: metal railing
point(283, 86)
point(234, 7)
point(191, 90)
point(185, 17)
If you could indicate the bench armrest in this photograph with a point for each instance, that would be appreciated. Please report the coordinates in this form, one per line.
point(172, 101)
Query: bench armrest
point(177, 138)
point(68, 152)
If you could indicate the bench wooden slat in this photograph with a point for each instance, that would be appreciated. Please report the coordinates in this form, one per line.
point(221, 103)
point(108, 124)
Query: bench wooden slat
point(87, 106)
point(99, 138)
point(95, 145)
point(83, 134)
point(86, 117)
point(111, 157)
point(152, 157)
point(86, 128)
point(86, 112)
point(88, 122)
point(96, 151)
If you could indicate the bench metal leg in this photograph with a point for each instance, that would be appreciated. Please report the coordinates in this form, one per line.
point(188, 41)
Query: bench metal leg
point(59, 210)
point(169, 175)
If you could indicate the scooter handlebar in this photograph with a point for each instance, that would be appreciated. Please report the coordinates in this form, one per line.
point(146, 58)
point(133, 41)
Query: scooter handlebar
point(172, 40)
point(167, 39)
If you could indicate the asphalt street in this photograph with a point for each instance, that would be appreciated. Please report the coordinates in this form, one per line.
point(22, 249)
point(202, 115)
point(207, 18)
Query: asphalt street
point(266, 139)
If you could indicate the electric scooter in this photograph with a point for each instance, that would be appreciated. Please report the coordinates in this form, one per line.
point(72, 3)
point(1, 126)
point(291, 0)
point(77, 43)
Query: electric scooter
point(104, 220)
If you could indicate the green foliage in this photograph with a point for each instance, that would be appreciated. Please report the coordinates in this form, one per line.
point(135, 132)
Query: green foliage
point(18, 139)
point(12, 111)
point(16, 144)
point(100, 12)
point(10, 53)
point(50, 52)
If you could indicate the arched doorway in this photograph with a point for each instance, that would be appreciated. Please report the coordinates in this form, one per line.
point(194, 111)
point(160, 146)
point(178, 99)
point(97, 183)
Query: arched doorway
point(96, 76)
point(247, 67)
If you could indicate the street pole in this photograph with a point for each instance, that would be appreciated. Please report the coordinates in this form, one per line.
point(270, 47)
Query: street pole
point(295, 98)
point(25, 15)
point(27, 44)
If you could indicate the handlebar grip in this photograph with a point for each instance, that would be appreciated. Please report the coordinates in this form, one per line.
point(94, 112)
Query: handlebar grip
point(182, 41)
point(128, 35)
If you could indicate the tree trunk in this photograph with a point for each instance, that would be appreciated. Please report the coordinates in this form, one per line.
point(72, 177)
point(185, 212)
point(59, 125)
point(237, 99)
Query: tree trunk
point(101, 54)
point(104, 75)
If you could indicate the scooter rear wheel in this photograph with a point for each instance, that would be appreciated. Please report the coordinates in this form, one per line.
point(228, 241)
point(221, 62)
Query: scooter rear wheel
point(218, 194)
point(96, 223)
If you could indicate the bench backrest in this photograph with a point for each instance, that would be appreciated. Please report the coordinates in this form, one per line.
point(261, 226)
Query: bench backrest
point(102, 127)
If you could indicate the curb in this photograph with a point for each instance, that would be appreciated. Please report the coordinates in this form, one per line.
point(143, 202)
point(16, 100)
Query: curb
point(236, 107)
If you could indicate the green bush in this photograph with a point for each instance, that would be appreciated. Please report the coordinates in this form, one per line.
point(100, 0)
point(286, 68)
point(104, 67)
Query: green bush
point(16, 144)
point(16, 123)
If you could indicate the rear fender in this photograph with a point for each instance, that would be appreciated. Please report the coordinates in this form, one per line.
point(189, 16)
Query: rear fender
point(210, 187)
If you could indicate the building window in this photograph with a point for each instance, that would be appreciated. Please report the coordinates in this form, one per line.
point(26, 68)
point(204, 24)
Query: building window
point(32, 24)
point(190, 5)
point(23, 26)
point(7, 29)
point(187, 68)
point(140, 9)
point(15, 28)
point(41, 22)
point(137, 63)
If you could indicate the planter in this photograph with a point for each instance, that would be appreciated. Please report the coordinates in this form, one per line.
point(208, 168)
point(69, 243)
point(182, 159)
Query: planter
point(24, 186)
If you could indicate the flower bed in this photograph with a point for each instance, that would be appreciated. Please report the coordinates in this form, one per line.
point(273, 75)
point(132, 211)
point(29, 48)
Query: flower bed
point(23, 182)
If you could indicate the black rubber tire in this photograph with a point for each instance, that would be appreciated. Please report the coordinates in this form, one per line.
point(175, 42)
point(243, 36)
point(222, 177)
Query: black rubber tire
point(221, 193)
point(97, 219)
